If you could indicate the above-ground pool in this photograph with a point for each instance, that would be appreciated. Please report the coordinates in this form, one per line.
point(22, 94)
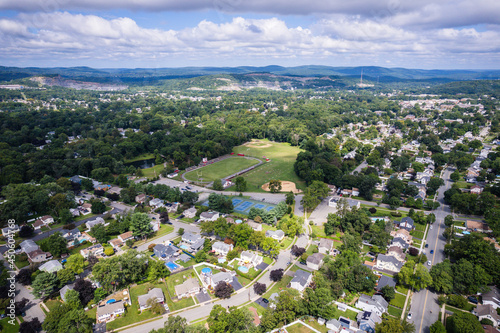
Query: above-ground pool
point(221, 260)
point(238, 221)
point(243, 269)
point(171, 266)
point(110, 301)
point(206, 270)
point(184, 247)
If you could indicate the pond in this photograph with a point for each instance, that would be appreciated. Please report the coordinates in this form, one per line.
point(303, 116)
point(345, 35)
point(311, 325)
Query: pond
point(142, 164)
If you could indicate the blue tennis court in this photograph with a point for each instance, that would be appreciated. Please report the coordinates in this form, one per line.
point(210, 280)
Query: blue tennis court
point(236, 202)
point(171, 266)
point(244, 206)
point(269, 208)
point(259, 206)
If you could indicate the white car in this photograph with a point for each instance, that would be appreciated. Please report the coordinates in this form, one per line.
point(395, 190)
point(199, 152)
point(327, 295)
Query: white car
point(429, 263)
point(409, 316)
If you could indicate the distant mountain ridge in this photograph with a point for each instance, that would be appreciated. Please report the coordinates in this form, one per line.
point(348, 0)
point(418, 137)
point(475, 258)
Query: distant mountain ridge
point(150, 75)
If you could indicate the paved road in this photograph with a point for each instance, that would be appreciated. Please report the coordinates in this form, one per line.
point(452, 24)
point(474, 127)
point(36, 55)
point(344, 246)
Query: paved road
point(425, 301)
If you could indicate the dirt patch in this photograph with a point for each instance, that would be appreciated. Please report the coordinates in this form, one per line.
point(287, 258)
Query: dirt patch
point(257, 144)
point(286, 186)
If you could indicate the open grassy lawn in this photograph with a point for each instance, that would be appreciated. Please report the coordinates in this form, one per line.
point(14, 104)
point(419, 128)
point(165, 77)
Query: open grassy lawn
point(53, 304)
point(281, 155)
point(199, 268)
point(394, 311)
point(278, 286)
point(179, 278)
point(420, 227)
point(314, 324)
point(221, 169)
point(152, 172)
point(92, 312)
point(402, 289)
point(7, 327)
point(417, 234)
point(131, 316)
point(20, 264)
point(398, 301)
point(298, 328)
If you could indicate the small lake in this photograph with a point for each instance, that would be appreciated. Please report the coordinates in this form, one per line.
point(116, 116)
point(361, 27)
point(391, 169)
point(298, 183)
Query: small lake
point(143, 164)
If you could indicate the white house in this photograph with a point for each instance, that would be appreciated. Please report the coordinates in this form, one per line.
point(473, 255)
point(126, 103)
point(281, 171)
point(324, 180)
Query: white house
point(376, 304)
point(126, 236)
point(250, 257)
point(333, 325)
point(325, 245)
point(314, 261)
point(301, 280)
point(156, 203)
point(222, 248)
point(8, 230)
point(388, 263)
point(219, 277)
point(190, 238)
point(155, 293)
point(94, 250)
point(51, 266)
point(190, 213)
point(209, 216)
point(28, 246)
point(188, 288)
point(275, 234)
point(492, 297)
point(92, 223)
point(487, 312)
point(254, 225)
point(110, 311)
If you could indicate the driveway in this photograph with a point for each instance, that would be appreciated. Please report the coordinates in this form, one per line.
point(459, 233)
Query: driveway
point(203, 297)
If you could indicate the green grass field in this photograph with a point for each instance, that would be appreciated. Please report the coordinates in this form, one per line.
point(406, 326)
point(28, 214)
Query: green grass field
point(281, 155)
point(398, 301)
point(220, 170)
point(298, 328)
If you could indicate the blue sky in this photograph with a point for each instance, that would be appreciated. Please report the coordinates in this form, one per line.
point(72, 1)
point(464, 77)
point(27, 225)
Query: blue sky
point(429, 34)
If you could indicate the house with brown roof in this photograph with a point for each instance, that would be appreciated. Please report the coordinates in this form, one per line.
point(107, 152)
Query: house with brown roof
point(396, 252)
point(476, 189)
point(39, 256)
point(109, 311)
point(116, 243)
point(141, 198)
point(43, 221)
point(487, 312)
point(254, 225)
point(402, 233)
point(126, 236)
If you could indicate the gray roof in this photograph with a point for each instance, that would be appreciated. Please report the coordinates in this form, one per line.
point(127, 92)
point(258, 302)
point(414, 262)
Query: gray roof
point(92, 223)
point(375, 300)
point(325, 242)
point(198, 244)
point(301, 277)
point(156, 293)
point(221, 276)
point(184, 257)
point(493, 295)
point(109, 308)
point(64, 290)
point(186, 286)
point(221, 246)
point(208, 215)
point(190, 237)
point(400, 241)
point(391, 259)
point(277, 233)
point(165, 251)
point(386, 281)
point(51, 266)
point(315, 258)
point(28, 246)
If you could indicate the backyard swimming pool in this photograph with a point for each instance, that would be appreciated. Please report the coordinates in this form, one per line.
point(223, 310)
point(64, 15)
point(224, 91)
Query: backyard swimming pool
point(184, 247)
point(206, 270)
point(109, 301)
point(171, 266)
point(243, 269)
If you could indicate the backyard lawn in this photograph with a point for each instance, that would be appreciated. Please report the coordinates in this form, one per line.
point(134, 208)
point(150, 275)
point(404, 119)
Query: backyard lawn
point(394, 311)
point(8, 328)
point(221, 169)
point(179, 278)
point(417, 234)
point(131, 316)
point(278, 286)
point(398, 301)
point(282, 157)
point(298, 328)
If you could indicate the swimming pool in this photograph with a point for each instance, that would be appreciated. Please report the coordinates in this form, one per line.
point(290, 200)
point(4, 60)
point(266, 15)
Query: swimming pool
point(206, 270)
point(171, 266)
point(109, 301)
point(243, 269)
point(184, 247)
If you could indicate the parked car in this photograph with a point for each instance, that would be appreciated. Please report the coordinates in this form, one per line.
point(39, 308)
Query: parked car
point(472, 299)
point(409, 316)
point(265, 300)
point(426, 245)
point(432, 251)
point(429, 263)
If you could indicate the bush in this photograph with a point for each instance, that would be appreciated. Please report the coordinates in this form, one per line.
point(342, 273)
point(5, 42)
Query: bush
point(151, 247)
point(109, 251)
point(372, 210)
point(396, 214)
point(457, 301)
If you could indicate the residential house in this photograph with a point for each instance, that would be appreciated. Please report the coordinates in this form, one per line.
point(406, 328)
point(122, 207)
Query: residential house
point(116, 243)
point(155, 293)
point(165, 252)
point(375, 303)
point(94, 250)
point(190, 213)
point(109, 311)
point(355, 191)
point(348, 325)
point(190, 238)
point(188, 288)
point(43, 222)
point(92, 223)
point(156, 203)
point(325, 245)
point(492, 297)
point(385, 281)
point(398, 241)
point(51, 266)
point(476, 189)
point(402, 233)
point(196, 246)
point(141, 198)
point(275, 234)
point(71, 235)
point(487, 312)
point(301, 280)
point(477, 226)
point(367, 321)
point(209, 216)
point(38, 224)
point(333, 325)
point(64, 290)
point(388, 263)
point(396, 252)
point(171, 206)
point(75, 179)
point(346, 192)
point(407, 223)
point(85, 209)
point(38, 256)
point(8, 230)
point(254, 225)
point(222, 248)
point(471, 176)
point(215, 279)
point(28, 246)
point(126, 236)
point(314, 261)
point(250, 257)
